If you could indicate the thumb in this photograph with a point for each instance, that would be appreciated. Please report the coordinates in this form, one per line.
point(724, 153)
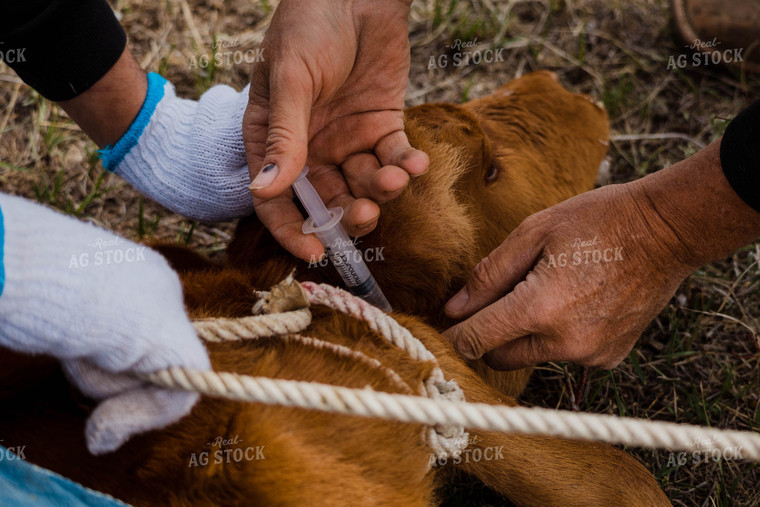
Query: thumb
point(493, 326)
point(118, 418)
point(129, 406)
point(498, 273)
point(520, 353)
point(276, 128)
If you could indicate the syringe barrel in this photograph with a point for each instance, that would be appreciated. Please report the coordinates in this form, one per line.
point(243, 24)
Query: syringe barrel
point(347, 259)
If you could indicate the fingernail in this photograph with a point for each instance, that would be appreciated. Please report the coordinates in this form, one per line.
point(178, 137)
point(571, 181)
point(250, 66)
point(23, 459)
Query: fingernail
point(466, 353)
point(454, 336)
point(265, 177)
point(366, 226)
point(459, 301)
point(414, 153)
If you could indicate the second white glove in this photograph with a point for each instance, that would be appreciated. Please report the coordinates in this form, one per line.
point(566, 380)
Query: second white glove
point(187, 155)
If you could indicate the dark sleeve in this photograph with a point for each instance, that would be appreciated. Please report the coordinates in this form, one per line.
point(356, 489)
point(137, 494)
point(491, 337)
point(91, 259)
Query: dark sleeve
point(60, 47)
point(740, 155)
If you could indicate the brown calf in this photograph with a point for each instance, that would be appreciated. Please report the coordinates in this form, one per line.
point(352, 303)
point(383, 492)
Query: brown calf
point(494, 161)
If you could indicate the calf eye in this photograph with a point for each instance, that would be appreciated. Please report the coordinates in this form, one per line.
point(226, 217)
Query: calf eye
point(492, 174)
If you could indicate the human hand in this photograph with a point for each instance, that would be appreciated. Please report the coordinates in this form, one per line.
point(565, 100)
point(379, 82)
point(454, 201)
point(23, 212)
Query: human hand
point(105, 307)
point(582, 280)
point(332, 87)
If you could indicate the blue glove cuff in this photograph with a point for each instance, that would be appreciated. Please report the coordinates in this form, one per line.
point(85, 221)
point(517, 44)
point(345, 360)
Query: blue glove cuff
point(112, 155)
point(2, 244)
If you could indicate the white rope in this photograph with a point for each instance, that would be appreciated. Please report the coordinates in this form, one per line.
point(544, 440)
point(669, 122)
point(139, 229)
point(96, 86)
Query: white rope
point(416, 409)
point(444, 409)
point(286, 326)
point(256, 326)
point(356, 355)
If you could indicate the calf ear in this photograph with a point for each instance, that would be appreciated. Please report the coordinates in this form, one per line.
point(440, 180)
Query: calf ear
point(542, 82)
point(444, 123)
point(430, 126)
point(435, 115)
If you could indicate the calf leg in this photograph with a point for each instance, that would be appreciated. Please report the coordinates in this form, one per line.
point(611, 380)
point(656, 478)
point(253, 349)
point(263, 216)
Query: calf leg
point(537, 470)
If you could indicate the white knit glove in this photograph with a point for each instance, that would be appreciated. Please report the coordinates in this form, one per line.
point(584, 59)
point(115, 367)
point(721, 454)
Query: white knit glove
point(187, 155)
point(105, 307)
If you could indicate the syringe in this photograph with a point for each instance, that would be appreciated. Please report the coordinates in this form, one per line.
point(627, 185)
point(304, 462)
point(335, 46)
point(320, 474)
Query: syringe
point(338, 246)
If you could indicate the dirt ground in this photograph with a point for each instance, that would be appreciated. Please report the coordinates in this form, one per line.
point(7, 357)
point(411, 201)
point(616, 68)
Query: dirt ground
point(698, 362)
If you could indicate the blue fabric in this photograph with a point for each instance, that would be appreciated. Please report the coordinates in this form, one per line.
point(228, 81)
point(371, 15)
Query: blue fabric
point(113, 155)
point(2, 257)
point(22, 483)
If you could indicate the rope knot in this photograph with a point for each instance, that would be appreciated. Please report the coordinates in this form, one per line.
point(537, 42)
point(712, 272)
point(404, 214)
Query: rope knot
point(286, 296)
point(446, 440)
point(449, 440)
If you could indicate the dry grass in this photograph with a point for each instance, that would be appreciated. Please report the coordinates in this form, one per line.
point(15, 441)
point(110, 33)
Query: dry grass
point(697, 363)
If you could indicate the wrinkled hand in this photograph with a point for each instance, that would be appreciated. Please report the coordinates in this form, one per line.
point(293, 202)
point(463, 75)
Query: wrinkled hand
point(332, 87)
point(582, 280)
